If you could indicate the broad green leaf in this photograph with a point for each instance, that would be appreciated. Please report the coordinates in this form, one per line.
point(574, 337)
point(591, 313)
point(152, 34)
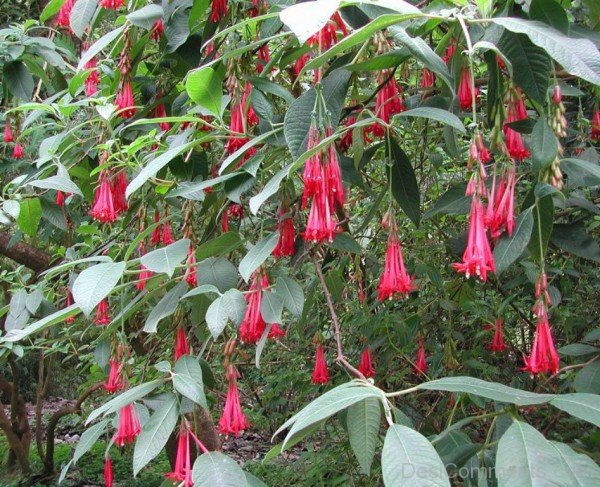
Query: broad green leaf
point(580, 405)
point(551, 13)
point(543, 145)
point(18, 80)
point(271, 307)
point(578, 56)
point(509, 248)
point(204, 87)
point(166, 259)
point(307, 18)
point(214, 469)
point(146, 16)
point(187, 380)
point(125, 398)
point(408, 458)
point(363, 420)
point(404, 182)
point(218, 272)
point(580, 172)
point(58, 183)
point(588, 379)
point(30, 214)
point(216, 317)
point(257, 255)
point(52, 319)
point(580, 470)
point(81, 16)
point(99, 45)
point(221, 245)
point(88, 438)
point(543, 222)
point(51, 9)
point(526, 459)
point(95, 283)
point(235, 305)
point(490, 390)
point(452, 202)
point(165, 307)
point(291, 293)
point(455, 449)
point(577, 350)
point(203, 289)
point(269, 190)
point(102, 353)
point(574, 238)
point(344, 242)
point(155, 433)
point(254, 481)
point(437, 114)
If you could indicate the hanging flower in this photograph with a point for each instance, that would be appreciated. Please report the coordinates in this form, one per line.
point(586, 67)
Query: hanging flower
point(158, 30)
point(500, 213)
point(515, 111)
point(298, 66)
point(320, 373)
point(366, 366)
point(144, 273)
point(190, 271)
point(167, 234)
point(465, 89)
point(182, 471)
point(125, 101)
point(234, 210)
point(60, 198)
point(241, 120)
point(8, 135)
point(63, 19)
point(102, 317)
point(449, 52)
point(594, 132)
point(218, 10)
point(276, 332)
point(18, 151)
point(69, 302)
point(264, 55)
point(181, 344)
point(129, 426)
point(286, 244)
point(395, 280)
point(427, 79)
point(115, 380)
point(253, 324)
point(477, 258)
point(112, 4)
point(157, 232)
point(498, 344)
point(161, 112)
point(421, 366)
point(103, 208)
point(388, 101)
point(93, 79)
point(118, 188)
point(233, 421)
point(108, 472)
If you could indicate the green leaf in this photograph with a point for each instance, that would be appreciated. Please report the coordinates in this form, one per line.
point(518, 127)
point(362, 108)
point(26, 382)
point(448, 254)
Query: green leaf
point(165, 307)
point(408, 458)
point(81, 16)
point(509, 248)
point(166, 259)
point(95, 283)
point(580, 470)
point(363, 421)
point(298, 116)
point(271, 307)
point(588, 379)
point(254, 481)
point(269, 190)
point(551, 13)
point(88, 438)
point(187, 380)
point(204, 87)
point(59, 316)
point(216, 317)
point(543, 221)
point(99, 45)
point(30, 214)
point(58, 183)
point(235, 305)
point(308, 18)
point(218, 272)
point(490, 390)
point(574, 238)
point(204, 289)
point(221, 245)
point(404, 182)
point(102, 353)
point(146, 16)
point(580, 172)
point(437, 114)
point(291, 293)
point(51, 9)
point(582, 406)
point(543, 145)
point(577, 56)
point(18, 80)
point(455, 449)
point(257, 255)
point(526, 459)
point(155, 433)
point(125, 398)
point(214, 469)
point(452, 202)
point(577, 350)
point(532, 64)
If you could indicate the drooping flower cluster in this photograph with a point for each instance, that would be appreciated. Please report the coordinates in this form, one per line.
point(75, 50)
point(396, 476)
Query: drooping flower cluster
point(234, 210)
point(115, 380)
point(163, 233)
point(63, 19)
point(320, 373)
point(498, 344)
point(181, 343)
point(109, 198)
point(421, 366)
point(323, 187)
point(427, 79)
point(253, 325)
point(515, 111)
point(112, 4)
point(102, 316)
point(243, 117)
point(466, 90)
point(365, 365)
point(144, 273)
point(157, 31)
point(286, 245)
point(395, 282)
point(182, 470)
point(500, 213)
point(232, 421)
point(543, 357)
point(218, 10)
point(93, 79)
point(129, 426)
point(388, 102)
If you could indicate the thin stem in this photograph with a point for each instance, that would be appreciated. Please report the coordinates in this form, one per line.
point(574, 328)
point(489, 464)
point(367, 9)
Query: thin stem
point(461, 20)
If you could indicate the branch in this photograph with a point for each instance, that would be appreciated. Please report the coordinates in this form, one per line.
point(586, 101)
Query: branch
point(35, 259)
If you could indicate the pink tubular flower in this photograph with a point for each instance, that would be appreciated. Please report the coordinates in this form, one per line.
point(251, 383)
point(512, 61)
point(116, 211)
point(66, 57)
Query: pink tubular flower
point(108, 472)
point(125, 101)
point(500, 213)
point(320, 373)
point(218, 10)
point(253, 325)
point(276, 332)
point(286, 244)
point(129, 426)
point(60, 198)
point(427, 79)
point(18, 151)
point(112, 4)
point(594, 131)
point(8, 135)
point(233, 421)
point(115, 378)
point(103, 208)
point(190, 272)
point(395, 282)
point(181, 344)
point(167, 234)
point(182, 471)
point(388, 102)
point(158, 30)
point(477, 259)
point(93, 79)
point(515, 111)
point(118, 187)
point(102, 317)
point(69, 302)
point(421, 366)
point(366, 364)
point(143, 277)
point(63, 19)
point(465, 89)
point(498, 344)
point(264, 55)
point(449, 52)
point(243, 116)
